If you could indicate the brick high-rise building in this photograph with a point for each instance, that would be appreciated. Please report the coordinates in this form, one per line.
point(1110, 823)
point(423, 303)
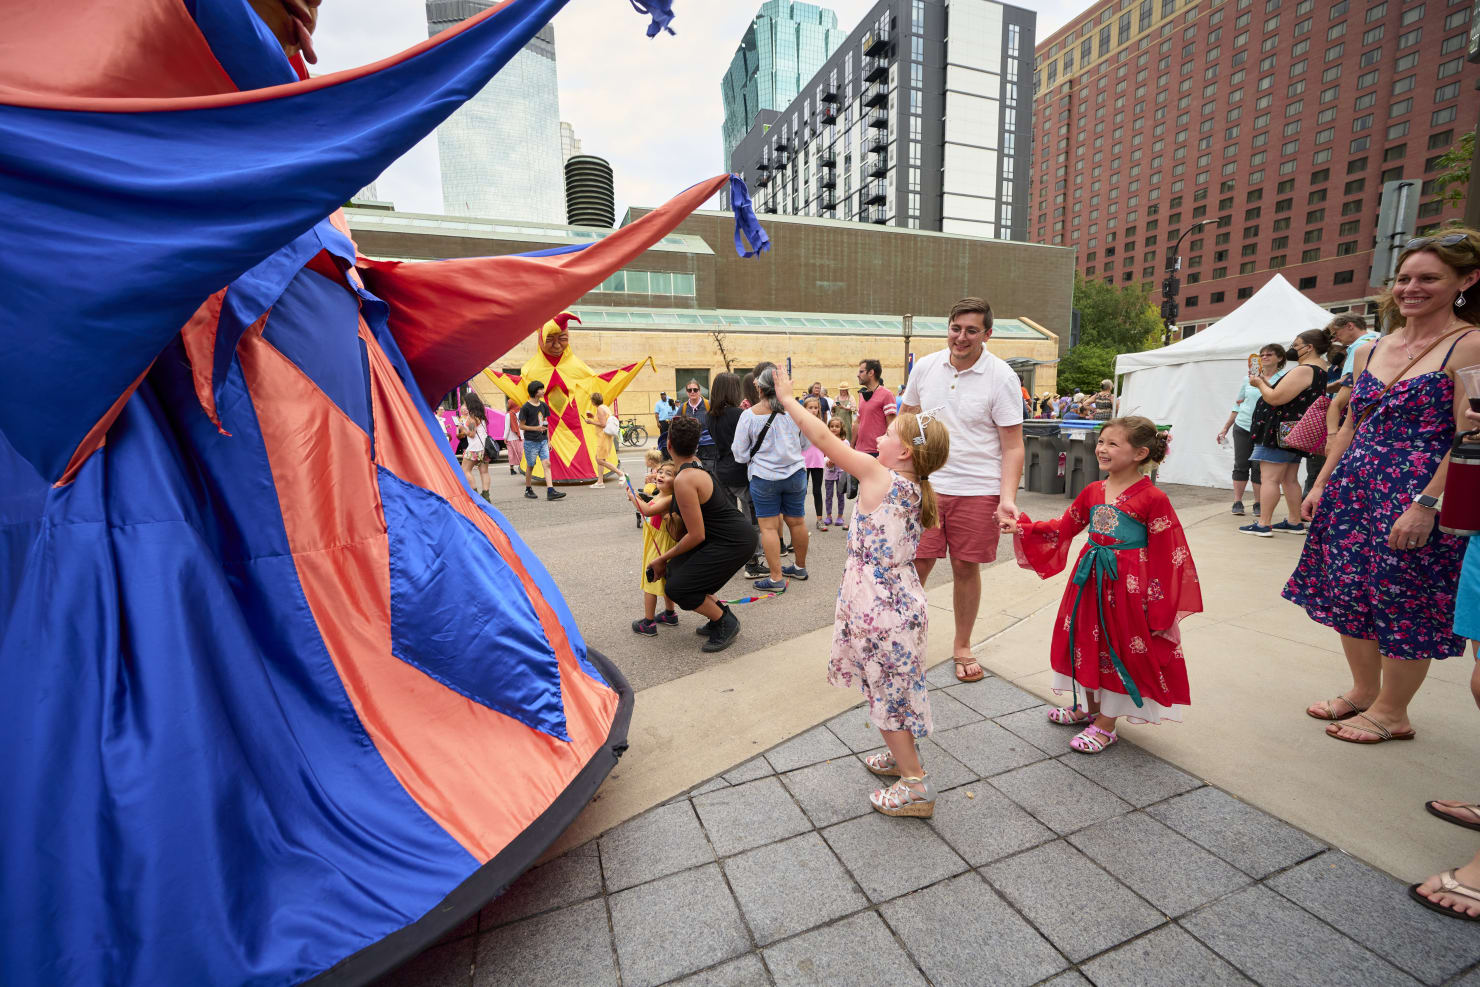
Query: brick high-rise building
point(1283, 118)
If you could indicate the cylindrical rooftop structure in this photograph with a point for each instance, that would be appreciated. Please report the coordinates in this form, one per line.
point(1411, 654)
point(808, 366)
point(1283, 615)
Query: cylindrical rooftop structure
point(590, 199)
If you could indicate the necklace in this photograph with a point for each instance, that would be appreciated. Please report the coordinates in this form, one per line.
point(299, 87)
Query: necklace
point(1448, 328)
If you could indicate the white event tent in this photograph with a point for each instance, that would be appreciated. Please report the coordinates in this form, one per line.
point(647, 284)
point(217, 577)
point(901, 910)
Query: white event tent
point(1191, 385)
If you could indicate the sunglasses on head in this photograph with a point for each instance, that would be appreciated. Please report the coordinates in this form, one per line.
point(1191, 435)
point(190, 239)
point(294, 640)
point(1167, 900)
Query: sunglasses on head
point(1447, 240)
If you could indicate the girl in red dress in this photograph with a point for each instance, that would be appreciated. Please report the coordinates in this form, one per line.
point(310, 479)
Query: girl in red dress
point(1115, 638)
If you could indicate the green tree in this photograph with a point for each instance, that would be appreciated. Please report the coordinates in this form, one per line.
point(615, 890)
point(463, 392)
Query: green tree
point(1454, 170)
point(1124, 320)
point(1084, 366)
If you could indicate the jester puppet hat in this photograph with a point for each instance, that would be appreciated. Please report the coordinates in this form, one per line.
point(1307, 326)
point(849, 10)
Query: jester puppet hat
point(280, 699)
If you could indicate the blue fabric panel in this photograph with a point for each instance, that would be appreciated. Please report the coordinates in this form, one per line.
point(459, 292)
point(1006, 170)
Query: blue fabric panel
point(202, 805)
point(460, 614)
point(242, 44)
point(22, 501)
point(162, 208)
point(556, 251)
point(374, 311)
point(310, 305)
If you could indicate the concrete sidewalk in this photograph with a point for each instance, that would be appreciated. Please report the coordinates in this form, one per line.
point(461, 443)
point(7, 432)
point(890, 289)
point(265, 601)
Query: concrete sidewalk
point(735, 837)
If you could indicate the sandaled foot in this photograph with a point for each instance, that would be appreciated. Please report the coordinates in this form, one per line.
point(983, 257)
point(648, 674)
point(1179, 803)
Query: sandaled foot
point(1340, 708)
point(1464, 814)
point(1363, 729)
point(882, 763)
point(1093, 740)
point(968, 670)
point(1445, 894)
point(903, 799)
point(1065, 717)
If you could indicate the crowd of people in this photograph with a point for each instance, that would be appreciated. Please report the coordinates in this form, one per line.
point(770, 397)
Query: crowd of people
point(1075, 406)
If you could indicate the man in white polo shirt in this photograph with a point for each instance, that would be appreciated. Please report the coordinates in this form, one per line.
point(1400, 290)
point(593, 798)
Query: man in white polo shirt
point(980, 399)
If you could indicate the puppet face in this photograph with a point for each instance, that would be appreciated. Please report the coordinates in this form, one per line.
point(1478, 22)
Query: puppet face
point(554, 344)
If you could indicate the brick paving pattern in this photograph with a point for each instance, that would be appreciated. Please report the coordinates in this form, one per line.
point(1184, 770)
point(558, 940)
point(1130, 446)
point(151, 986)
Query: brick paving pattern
point(1040, 866)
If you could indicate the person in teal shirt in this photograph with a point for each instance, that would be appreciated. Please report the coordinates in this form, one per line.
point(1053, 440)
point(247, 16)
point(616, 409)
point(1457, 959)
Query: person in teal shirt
point(1241, 420)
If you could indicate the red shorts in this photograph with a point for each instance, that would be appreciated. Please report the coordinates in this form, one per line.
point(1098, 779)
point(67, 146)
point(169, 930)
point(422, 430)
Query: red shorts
point(967, 529)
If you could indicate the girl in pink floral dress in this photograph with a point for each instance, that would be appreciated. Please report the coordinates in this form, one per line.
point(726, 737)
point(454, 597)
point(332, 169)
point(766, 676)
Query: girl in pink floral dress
point(879, 628)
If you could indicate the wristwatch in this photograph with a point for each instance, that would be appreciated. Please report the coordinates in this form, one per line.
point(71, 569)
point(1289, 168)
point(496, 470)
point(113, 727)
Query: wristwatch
point(1424, 500)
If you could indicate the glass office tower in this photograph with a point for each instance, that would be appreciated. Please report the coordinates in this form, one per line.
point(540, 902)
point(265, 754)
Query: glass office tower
point(782, 48)
point(501, 151)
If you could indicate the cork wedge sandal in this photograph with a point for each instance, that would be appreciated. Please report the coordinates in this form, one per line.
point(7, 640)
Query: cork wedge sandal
point(900, 799)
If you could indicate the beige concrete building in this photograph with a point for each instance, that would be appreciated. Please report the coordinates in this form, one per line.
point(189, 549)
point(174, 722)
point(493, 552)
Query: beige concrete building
point(827, 295)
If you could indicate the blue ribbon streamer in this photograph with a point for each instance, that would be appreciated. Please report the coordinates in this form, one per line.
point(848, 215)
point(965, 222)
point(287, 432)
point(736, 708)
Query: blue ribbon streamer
point(661, 11)
point(747, 224)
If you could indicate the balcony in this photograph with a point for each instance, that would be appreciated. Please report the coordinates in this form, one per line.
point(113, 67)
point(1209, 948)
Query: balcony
point(826, 200)
point(877, 167)
point(763, 179)
point(827, 116)
point(876, 42)
point(827, 158)
point(763, 165)
point(875, 68)
point(829, 95)
point(876, 95)
point(878, 145)
point(875, 192)
point(879, 119)
point(873, 214)
point(827, 179)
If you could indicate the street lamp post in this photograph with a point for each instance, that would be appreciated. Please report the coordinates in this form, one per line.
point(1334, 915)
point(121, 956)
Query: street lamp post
point(1172, 285)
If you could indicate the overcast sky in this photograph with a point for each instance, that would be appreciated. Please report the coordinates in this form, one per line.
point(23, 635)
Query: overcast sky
point(649, 106)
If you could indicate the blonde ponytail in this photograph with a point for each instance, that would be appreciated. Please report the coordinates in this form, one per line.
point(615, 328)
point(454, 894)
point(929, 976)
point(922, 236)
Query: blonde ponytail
point(929, 509)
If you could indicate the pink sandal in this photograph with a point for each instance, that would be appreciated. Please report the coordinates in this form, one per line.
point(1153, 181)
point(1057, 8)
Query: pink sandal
point(1093, 740)
point(1066, 717)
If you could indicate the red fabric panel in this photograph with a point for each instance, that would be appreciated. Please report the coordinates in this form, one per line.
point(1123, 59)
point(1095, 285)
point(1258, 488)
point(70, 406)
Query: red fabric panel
point(98, 434)
point(105, 48)
point(32, 41)
point(452, 318)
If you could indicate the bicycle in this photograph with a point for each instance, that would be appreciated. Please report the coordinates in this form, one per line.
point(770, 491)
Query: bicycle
point(632, 433)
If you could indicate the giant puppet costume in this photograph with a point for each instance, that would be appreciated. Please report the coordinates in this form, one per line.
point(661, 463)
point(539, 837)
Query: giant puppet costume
point(280, 699)
point(569, 384)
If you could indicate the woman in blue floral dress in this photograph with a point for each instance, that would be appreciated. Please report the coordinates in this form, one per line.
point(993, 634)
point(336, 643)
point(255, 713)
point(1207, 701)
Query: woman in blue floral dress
point(1374, 568)
point(879, 627)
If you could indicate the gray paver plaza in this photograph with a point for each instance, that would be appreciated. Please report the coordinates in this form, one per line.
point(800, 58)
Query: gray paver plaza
point(1041, 866)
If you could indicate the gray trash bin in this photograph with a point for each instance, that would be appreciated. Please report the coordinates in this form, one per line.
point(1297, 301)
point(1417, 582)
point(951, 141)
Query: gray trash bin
point(1044, 448)
point(1080, 466)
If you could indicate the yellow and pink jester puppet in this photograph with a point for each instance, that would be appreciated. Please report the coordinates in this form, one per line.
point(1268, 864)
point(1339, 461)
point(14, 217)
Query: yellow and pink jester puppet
point(569, 384)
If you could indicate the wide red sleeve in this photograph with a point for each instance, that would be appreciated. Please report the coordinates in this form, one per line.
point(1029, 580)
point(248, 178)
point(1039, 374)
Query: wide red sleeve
point(1043, 546)
point(1172, 590)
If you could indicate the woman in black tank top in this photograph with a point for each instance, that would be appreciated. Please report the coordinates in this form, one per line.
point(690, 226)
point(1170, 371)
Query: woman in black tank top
point(717, 541)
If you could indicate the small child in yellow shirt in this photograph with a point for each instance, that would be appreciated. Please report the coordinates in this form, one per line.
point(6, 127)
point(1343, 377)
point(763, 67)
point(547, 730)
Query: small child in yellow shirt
point(654, 503)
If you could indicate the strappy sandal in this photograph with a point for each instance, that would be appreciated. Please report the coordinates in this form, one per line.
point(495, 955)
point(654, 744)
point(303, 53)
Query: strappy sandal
point(1066, 717)
point(882, 763)
point(1352, 709)
point(900, 799)
point(1448, 884)
point(1374, 734)
point(1093, 740)
point(962, 663)
point(1437, 809)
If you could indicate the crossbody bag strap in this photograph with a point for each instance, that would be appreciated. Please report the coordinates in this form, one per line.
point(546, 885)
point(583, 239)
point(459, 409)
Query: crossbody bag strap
point(1383, 393)
point(756, 446)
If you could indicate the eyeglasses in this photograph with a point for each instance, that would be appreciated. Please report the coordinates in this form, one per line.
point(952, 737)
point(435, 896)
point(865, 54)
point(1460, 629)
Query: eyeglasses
point(1447, 240)
point(692, 390)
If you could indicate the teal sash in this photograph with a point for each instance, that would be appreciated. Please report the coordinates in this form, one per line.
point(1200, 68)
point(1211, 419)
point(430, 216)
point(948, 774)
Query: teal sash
point(1097, 565)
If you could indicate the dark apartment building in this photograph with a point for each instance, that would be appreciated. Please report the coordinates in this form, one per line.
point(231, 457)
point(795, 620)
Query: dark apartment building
point(1279, 119)
point(919, 119)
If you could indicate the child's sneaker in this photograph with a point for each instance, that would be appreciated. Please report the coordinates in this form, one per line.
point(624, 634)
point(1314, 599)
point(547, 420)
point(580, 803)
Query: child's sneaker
point(645, 626)
point(667, 617)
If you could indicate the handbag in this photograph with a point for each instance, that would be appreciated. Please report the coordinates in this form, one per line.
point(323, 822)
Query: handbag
point(1308, 434)
point(611, 427)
